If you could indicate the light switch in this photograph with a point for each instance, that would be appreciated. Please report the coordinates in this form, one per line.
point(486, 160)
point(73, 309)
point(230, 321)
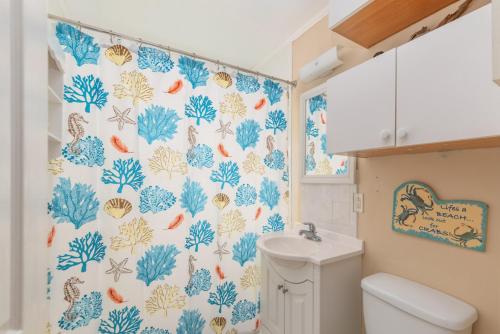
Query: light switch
point(358, 204)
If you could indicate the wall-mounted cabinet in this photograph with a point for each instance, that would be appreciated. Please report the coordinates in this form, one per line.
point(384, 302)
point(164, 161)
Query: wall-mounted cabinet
point(443, 96)
point(363, 106)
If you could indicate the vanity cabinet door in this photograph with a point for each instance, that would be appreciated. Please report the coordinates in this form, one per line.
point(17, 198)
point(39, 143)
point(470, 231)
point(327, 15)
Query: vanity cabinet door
point(299, 308)
point(444, 84)
point(272, 301)
point(362, 106)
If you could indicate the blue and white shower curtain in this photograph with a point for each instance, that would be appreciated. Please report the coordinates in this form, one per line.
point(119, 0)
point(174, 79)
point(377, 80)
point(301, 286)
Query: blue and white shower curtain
point(170, 170)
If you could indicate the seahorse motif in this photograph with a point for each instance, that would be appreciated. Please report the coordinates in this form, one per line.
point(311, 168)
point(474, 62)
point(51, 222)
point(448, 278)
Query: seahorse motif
point(71, 295)
point(75, 129)
point(191, 267)
point(270, 144)
point(192, 132)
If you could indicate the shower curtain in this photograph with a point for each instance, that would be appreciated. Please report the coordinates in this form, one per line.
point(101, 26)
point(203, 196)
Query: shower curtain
point(170, 170)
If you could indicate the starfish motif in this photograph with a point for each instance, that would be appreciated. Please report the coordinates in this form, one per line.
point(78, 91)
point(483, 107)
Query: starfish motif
point(118, 268)
point(221, 250)
point(225, 129)
point(121, 117)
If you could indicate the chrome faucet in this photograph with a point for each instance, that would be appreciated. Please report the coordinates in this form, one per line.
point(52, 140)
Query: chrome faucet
point(310, 233)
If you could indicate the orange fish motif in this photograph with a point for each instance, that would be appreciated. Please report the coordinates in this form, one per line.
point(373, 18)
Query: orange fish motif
point(51, 236)
point(260, 104)
point(258, 213)
point(115, 296)
point(176, 87)
point(257, 324)
point(176, 222)
point(219, 272)
point(119, 145)
point(222, 150)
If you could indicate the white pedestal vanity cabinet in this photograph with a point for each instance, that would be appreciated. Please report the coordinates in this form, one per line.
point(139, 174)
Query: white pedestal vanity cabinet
point(310, 287)
point(437, 89)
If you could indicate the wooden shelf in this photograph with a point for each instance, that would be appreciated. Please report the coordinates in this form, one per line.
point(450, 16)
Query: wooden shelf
point(381, 19)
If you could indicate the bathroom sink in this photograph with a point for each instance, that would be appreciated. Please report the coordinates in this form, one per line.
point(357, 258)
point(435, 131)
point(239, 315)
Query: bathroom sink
point(292, 247)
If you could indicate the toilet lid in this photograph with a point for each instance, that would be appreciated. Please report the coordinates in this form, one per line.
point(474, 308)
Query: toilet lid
point(421, 301)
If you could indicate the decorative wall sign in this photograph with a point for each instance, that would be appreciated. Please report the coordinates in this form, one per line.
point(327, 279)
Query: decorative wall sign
point(417, 211)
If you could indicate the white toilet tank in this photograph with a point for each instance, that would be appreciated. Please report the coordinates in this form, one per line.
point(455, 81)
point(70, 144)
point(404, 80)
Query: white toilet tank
point(394, 305)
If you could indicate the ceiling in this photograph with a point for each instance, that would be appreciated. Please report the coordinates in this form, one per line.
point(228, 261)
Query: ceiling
point(244, 33)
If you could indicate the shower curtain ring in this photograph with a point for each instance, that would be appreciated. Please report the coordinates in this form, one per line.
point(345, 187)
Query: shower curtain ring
point(140, 43)
point(79, 27)
point(111, 37)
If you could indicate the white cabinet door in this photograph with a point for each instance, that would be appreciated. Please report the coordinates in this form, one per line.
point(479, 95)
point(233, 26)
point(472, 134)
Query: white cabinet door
point(445, 90)
point(362, 106)
point(299, 309)
point(272, 301)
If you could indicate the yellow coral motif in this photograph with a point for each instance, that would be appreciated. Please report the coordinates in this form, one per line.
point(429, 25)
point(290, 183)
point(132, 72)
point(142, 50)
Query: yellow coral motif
point(168, 160)
point(163, 298)
point(55, 166)
point(134, 85)
point(253, 165)
point(132, 234)
point(233, 104)
point(251, 277)
point(324, 168)
point(232, 221)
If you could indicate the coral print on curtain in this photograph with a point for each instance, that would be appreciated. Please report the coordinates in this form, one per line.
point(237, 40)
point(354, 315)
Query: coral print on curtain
point(172, 169)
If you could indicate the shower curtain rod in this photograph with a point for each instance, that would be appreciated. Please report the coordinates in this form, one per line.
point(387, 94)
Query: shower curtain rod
point(168, 48)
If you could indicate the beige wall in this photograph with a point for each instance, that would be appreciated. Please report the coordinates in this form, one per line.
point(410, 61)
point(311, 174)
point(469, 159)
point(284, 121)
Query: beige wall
point(475, 174)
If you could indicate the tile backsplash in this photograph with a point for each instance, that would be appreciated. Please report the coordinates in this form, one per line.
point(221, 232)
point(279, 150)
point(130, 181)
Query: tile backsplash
point(329, 206)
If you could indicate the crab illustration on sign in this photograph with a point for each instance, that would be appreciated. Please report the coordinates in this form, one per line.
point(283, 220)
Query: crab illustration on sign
point(419, 212)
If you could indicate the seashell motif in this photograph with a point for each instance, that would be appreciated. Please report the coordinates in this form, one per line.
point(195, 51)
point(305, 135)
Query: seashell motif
point(217, 324)
point(220, 200)
point(118, 54)
point(117, 207)
point(223, 79)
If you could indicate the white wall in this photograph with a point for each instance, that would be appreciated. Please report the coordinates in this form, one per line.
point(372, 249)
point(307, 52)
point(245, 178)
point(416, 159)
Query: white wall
point(279, 64)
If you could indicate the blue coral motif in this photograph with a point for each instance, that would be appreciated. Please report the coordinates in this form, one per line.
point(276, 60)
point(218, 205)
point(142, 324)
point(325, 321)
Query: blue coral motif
point(84, 310)
point(244, 310)
point(247, 134)
point(89, 152)
point(191, 322)
point(88, 90)
point(276, 121)
point(194, 71)
point(200, 156)
point(80, 45)
point(247, 84)
point(317, 103)
point(200, 281)
point(274, 224)
point(275, 160)
point(124, 321)
point(245, 249)
point(246, 195)
point(273, 91)
point(75, 204)
point(157, 123)
point(154, 59)
point(156, 199)
point(157, 262)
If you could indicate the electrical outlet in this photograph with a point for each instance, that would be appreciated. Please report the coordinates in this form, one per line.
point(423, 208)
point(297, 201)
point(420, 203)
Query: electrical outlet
point(358, 203)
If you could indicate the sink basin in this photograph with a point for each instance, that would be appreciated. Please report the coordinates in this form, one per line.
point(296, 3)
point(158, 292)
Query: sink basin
point(290, 246)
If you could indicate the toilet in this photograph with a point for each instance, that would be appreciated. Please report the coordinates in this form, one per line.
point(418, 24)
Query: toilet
point(394, 305)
